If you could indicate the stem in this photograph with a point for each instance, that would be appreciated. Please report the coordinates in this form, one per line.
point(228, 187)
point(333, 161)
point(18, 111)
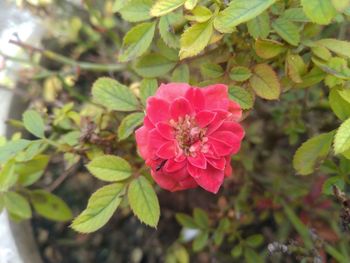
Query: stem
point(67, 61)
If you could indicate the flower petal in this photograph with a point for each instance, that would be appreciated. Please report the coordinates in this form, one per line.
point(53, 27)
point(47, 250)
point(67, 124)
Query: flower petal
point(157, 110)
point(210, 179)
point(217, 163)
point(165, 130)
point(219, 119)
point(179, 108)
point(228, 168)
point(172, 166)
point(221, 148)
point(142, 137)
point(235, 110)
point(204, 118)
point(172, 91)
point(233, 127)
point(216, 97)
point(198, 161)
point(167, 150)
point(196, 98)
point(164, 181)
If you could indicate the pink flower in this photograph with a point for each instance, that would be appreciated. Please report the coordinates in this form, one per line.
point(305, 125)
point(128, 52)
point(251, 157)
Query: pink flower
point(189, 135)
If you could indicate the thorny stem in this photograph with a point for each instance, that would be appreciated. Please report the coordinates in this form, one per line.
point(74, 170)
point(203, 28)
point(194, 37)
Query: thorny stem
point(70, 62)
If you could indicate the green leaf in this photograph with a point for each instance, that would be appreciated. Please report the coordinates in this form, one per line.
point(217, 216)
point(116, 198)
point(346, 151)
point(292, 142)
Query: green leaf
point(250, 256)
point(200, 241)
point(50, 206)
point(265, 82)
point(287, 30)
point(342, 138)
point(345, 94)
point(340, 47)
point(254, 240)
point(236, 252)
point(109, 168)
point(298, 225)
point(166, 51)
point(137, 40)
point(34, 123)
point(201, 218)
point(181, 74)
point(241, 96)
point(7, 176)
point(266, 48)
point(240, 11)
point(240, 73)
point(148, 88)
point(295, 15)
point(17, 205)
point(186, 221)
point(153, 65)
point(113, 95)
point(195, 39)
point(143, 201)
point(177, 254)
point(319, 11)
point(200, 14)
point(101, 207)
point(211, 70)
point(136, 10)
point(128, 124)
point(315, 76)
point(30, 171)
point(166, 29)
point(311, 152)
point(339, 106)
point(259, 27)
point(162, 7)
point(327, 187)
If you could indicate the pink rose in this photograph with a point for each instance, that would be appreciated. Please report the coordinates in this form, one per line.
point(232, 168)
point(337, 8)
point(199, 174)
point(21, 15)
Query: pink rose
point(189, 135)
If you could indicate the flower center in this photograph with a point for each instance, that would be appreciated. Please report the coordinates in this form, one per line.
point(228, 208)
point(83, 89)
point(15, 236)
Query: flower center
point(190, 137)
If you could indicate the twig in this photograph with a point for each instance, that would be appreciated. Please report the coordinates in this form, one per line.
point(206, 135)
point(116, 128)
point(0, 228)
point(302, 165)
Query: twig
point(67, 61)
point(62, 177)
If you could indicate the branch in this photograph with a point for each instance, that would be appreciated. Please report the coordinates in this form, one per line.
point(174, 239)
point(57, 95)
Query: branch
point(80, 65)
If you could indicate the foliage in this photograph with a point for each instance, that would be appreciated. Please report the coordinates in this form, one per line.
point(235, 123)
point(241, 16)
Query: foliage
point(286, 63)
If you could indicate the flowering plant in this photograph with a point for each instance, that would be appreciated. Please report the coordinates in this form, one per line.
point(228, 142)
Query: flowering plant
point(102, 137)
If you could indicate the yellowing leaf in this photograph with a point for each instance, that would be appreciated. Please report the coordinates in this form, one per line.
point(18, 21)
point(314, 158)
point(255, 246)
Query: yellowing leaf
point(195, 39)
point(265, 82)
point(162, 7)
point(342, 138)
point(109, 168)
point(190, 4)
point(143, 201)
point(137, 40)
point(240, 11)
point(266, 48)
point(319, 11)
point(113, 95)
point(295, 67)
point(339, 105)
point(311, 152)
point(101, 206)
point(287, 31)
